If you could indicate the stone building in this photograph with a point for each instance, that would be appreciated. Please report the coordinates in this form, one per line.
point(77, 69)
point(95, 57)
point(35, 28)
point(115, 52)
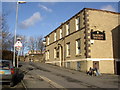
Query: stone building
point(89, 37)
point(35, 56)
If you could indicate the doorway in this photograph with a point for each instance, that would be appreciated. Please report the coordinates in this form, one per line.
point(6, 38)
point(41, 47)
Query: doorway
point(96, 64)
point(78, 65)
point(118, 67)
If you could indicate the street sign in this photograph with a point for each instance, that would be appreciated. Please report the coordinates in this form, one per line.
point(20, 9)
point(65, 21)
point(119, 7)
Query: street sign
point(18, 48)
point(18, 44)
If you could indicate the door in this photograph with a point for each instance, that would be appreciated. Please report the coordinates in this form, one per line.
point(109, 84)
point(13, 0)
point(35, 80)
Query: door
point(78, 66)
point(61, 56)
point(118, 68)
point(68, 64)
point(96, 64)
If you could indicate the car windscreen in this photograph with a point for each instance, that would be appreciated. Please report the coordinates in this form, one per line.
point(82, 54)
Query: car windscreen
point(4, 65)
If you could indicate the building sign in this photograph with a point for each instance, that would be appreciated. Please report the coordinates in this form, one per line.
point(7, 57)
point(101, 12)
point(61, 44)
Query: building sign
point(97, 35)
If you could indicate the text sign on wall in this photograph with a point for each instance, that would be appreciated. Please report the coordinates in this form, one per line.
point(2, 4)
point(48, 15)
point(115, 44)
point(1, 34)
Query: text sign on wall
point(97, 35)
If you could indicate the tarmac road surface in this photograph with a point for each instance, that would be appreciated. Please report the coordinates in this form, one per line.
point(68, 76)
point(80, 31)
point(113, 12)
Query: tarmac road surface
point(41, 75)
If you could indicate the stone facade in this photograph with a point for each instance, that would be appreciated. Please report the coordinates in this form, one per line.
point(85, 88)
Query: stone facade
point(103, 51)
point(35, 56)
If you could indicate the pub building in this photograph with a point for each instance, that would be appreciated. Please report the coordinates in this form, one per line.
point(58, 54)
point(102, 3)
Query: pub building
point(89, 37)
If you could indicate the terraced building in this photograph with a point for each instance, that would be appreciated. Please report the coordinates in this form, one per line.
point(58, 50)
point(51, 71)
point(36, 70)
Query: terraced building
point(89, 37)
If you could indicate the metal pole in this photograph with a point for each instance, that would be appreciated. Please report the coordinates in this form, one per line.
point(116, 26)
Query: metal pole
point(15, 32)
point(60, 57)
point(17, 58)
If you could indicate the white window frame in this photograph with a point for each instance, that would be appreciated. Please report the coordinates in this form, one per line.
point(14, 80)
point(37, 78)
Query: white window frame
point(78, 46)
point(77, 23)
point(55, 36)
point(55, 52)
point(60, 33)
point(48, 55)
point(68, 49)
point(67, 28)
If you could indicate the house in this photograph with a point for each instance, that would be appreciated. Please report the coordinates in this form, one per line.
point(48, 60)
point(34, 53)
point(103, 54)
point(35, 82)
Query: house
point(90, 37)
point(35, 56)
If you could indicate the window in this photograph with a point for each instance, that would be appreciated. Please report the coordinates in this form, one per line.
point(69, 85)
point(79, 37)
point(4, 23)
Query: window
point(68, 29)
point(77, 23)
point(57, 54)
point(78, 43)
point(48, 55)
point(60, 33)
point(68, 49)
point(54, 52)
point(48, 41)
point(55, 36)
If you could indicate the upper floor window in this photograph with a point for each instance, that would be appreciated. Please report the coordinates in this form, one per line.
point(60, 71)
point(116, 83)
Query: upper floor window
point(48, 40)
point(68, 49)
point(68, 29)
point(55, 36)
point(60, 33)
point(77, 23)
point(78, 45)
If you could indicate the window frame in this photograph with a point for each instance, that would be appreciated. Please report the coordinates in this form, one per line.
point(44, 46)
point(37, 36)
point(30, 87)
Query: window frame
point(78, 46)
point(68, 28)
point(77, 23)
point(67, 49)
point(55, 53)
point(55, 36)
point(61, 33)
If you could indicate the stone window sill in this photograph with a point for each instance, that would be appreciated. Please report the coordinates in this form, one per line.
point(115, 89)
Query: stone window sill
point(68, 56)
point(77, 55)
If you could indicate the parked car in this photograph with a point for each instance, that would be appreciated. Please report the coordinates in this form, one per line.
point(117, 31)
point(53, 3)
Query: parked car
point(7, 71)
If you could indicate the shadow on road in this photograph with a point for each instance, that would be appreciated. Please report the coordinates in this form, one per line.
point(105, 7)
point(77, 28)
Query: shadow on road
point(17, 78)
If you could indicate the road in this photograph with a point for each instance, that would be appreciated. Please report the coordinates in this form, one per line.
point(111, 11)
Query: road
point(19, 85)
point(40, 75)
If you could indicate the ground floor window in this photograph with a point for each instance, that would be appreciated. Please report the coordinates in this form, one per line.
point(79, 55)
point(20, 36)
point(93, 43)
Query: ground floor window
point(78, 44)
point(68, 49)
point(54, 52)
point(47, 55)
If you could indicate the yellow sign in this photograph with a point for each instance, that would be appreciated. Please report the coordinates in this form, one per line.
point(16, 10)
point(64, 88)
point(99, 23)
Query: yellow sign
point(2, 72)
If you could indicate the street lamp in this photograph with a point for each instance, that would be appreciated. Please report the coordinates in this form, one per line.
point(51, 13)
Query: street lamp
point(17, 4)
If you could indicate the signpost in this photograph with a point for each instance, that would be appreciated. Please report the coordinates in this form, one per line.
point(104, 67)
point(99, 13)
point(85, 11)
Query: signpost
point(18, 46)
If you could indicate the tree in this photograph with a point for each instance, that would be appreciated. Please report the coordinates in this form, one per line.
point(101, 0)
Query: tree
point(31, 43)
point(40, 45)
point(6, 39)
point(36, 44)
point(24, 44)
point(6, 36)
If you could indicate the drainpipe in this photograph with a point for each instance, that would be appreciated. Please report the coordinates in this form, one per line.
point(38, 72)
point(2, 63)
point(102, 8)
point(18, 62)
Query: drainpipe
point(85, 20)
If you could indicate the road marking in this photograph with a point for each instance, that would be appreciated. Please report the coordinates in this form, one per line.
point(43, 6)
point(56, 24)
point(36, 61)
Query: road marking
point(52, 82)
point(23, 85)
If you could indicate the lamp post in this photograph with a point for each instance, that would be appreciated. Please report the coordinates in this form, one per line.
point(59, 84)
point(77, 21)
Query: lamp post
point(17, 4)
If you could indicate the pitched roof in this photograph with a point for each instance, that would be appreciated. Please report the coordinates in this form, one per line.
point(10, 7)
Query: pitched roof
point(79, 13)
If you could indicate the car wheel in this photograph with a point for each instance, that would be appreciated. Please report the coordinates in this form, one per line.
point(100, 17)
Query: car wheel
point(11, 84)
